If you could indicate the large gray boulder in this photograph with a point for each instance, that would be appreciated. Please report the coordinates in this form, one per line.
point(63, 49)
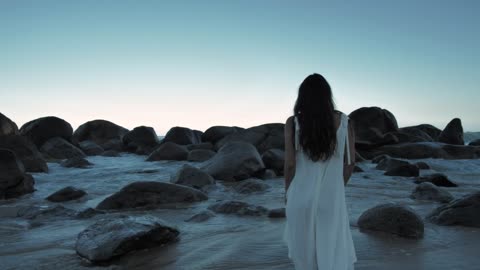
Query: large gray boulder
point(423, 150)
point(109, 238)
point(238, 208)
point(183, 136)
point(141, 140)
point(216, 133)
point(76, 162)
point(392, 218)
point(26, 151)
point(388, 163)
point(274, 137)
point(192, 177)
point(59, 148)
point(66, 194)
point(100, 132)
point(200, 155)
point(408, 170)
point(453, 133)
point(437, 179)
point(7, 126)
point(42, 129)
point(475, 142)
point(150, 194)
point(464, 211)
point(251, 185)
point(168, 151)
point(430, 192)
point(235, 161)
point(90, 148)
point(432, 131)
point(371, 123)
point(251, 136)
point(274, 159)
point(14, 182)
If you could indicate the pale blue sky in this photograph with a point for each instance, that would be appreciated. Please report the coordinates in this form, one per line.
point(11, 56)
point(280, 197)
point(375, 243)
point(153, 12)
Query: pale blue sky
point(204, 63)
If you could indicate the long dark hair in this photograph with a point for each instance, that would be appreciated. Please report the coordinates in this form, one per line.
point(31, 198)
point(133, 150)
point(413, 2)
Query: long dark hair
point(315, 111)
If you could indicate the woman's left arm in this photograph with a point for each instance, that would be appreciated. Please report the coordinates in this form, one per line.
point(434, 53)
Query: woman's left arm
point(348, 168)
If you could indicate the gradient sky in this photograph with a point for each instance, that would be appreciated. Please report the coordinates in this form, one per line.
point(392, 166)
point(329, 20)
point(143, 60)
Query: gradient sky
point(204, 63)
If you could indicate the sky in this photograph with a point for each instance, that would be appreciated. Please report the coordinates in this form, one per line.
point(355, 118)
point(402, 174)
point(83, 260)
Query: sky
point(238, 62)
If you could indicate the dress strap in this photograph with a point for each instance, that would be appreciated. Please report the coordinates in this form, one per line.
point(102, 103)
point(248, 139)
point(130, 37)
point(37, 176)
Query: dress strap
point(347, 141)
point(297, 128)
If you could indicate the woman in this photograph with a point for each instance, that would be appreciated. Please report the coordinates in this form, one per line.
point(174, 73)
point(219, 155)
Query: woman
point(319, 160)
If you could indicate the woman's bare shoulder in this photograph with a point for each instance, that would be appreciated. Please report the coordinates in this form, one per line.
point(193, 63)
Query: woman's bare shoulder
point(289, 120)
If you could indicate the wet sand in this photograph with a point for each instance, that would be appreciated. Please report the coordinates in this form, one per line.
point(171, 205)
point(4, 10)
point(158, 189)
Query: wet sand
point(226, 241)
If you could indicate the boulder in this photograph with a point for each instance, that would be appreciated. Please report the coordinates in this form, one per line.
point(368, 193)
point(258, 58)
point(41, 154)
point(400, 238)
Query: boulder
point(429, 150)
point(463, 211)
point(216, 133)
point(183, 136)
point(141, 140)
point(437, 179)
point(150, 194)
point(421, 133)
point(59, 148)
point(192, 177)
point(235, 161)
point(66, 194)
point(251, 185)
point(26, 151)
point(110, 238)
point(14, 182)
point(200, 155)
point(76, 162)
point(430, 192)
point(372, 123)
point(268, 174)
point(379, 158)
point(277, 213)
point(251, 136)
point(432, 131)
point(113, 144)
point(388, 163)
point(168, 151)
point(238, 208)
point(392, 218)
point(274, 137)
point(475, 142)
point(90, 148)
point(48, 214)
point(422, 165)
point(100, 132)
point(7, 126)
point(43, 129)
point(201, 217)
point(274, 159)
point(408, 170)
point(200, 146)
point(453, 133)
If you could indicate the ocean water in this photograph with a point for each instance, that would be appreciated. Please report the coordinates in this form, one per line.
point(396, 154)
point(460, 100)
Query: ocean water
point(228, 241)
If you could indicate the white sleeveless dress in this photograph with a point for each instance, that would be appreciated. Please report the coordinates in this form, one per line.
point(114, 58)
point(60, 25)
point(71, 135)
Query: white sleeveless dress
point(317, 230)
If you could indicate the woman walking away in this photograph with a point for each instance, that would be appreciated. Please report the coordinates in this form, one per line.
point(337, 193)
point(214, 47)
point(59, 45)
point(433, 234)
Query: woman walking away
point(319, 160)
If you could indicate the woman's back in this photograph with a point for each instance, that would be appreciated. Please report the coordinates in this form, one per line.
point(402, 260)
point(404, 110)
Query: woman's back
point(317, 230)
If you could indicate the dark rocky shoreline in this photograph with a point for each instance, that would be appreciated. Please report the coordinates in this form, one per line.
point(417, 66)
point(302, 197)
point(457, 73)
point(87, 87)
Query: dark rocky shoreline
point(242, 156)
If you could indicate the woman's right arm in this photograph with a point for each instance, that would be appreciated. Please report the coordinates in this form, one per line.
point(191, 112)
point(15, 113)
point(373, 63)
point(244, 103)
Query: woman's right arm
point(348, 168)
